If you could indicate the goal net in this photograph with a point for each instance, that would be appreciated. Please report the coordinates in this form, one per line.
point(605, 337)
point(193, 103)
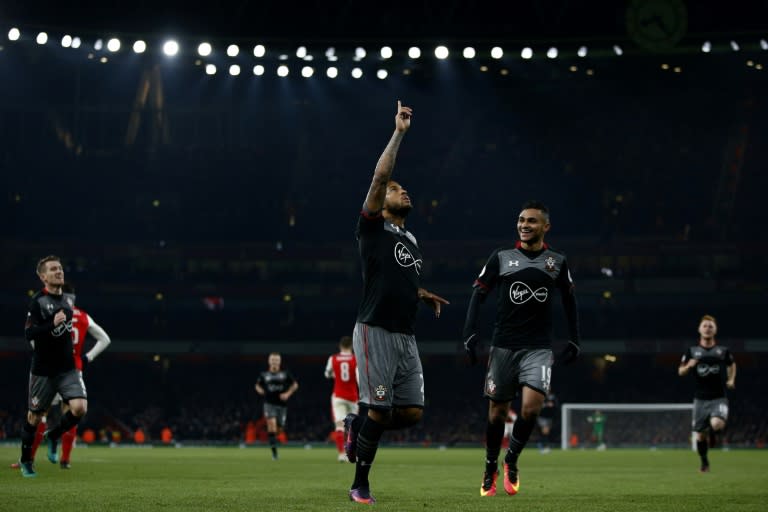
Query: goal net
point(601, 426)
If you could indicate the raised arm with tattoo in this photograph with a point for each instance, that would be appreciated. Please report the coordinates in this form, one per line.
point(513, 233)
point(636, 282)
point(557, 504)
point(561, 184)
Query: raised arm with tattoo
point(374, 201)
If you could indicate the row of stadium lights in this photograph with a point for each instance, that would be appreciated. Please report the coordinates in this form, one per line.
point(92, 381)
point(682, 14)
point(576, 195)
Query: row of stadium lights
point(171, 48)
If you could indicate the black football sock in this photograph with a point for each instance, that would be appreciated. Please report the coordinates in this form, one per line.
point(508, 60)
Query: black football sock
point(358, 421)
point(27, 439)
point(520, 434)
point(701, 447)
point(367, 443)
point(67, 421)
point(494, 432)
point(272, 443)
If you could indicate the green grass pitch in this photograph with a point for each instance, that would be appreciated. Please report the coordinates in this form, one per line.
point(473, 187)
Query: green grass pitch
point(403, 479)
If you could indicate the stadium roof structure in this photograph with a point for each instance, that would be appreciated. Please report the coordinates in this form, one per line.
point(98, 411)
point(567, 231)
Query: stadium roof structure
point(665, 21)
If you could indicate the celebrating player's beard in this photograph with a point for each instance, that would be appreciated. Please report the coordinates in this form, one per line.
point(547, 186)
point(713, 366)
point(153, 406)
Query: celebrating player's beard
point(399, 210)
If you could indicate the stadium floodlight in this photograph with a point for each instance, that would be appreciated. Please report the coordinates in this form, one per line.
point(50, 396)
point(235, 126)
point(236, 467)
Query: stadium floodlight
point(332, 72)
point(282, 70)
point(497, 52)
point(360, 53)
point(414, 52)
point(674, 418)
point(617, 50)
point(210, 69)
point(357, 73)
point(382, 74)
point(98, 45)
point(309, 58)
point(66, 41)
point(469, 53)
point(526, 53)
point(582, 51)
point(307, 71)
point(706, 47)
point(113, 45)
point(234, 70)
point(385, 52)
point(259, 51)
point(330, 52)
point(233, 50)
point(552, 53)
point(735, 46)
point(42, 38)
point(76, 42)
point(301, 52)
point(14, 34)
point(258, 70)
point(441, 52)
point(204, 49)
point(139, 46)
point(171, 48)
point(764, 44)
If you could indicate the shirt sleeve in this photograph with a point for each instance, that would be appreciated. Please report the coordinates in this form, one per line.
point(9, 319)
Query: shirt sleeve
point(729, 360)
point(369, 221)
point(567, 291)
point(101, 336)
point(686, 357)
point(329, 368)
point(35, 325)
point(489, 275)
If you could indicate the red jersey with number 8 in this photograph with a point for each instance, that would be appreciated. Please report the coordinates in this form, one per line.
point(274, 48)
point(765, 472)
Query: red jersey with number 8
point(344, 376)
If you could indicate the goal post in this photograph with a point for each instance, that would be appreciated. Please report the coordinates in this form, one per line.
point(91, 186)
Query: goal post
point(626, 425)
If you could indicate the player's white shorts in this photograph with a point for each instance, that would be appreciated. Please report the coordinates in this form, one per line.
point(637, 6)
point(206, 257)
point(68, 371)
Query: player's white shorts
point(341, 407)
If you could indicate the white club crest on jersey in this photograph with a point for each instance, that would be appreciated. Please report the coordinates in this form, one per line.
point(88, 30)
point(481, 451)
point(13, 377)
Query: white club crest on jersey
point(405, 259)
point(520, 293)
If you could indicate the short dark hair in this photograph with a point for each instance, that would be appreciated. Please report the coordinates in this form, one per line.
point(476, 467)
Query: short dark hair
point(533, 204)
point(43, 261)
point(345, 342)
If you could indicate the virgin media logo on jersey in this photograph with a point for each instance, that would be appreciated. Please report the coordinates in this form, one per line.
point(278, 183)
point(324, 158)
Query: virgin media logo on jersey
point(62, 328)
point(520, 293)
point(405, 259)
point(704, 369)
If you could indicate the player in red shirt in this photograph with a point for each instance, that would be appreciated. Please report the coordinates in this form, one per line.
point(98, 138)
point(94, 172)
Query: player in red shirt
point(342, 368)
point(82, 325)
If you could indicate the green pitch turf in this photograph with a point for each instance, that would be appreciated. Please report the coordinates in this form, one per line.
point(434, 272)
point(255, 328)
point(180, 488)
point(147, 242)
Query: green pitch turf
point(403, 479)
